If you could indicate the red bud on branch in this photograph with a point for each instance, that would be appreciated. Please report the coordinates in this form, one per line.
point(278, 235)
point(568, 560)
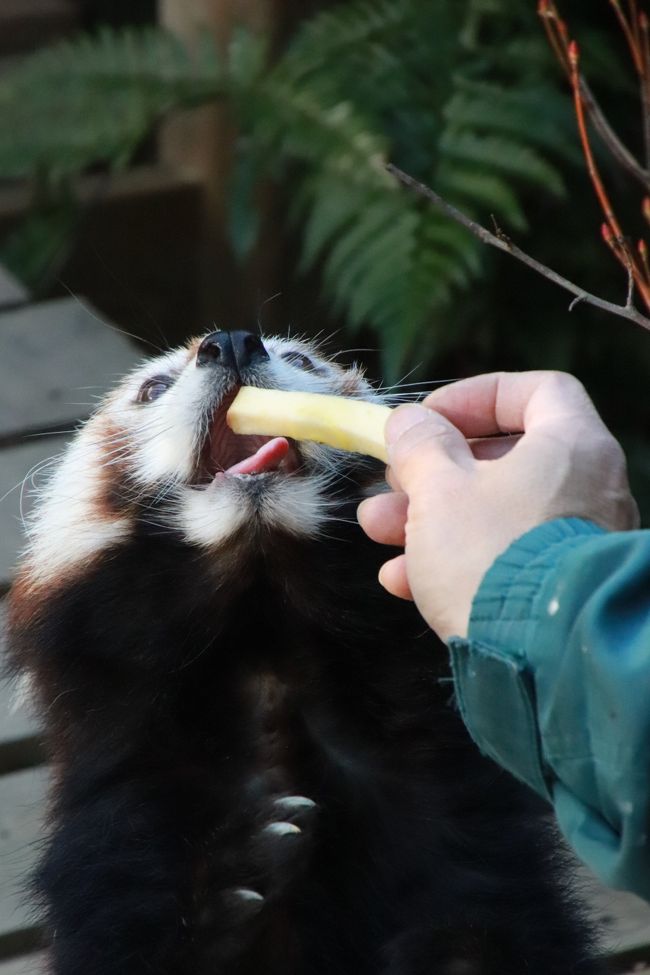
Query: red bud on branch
point(645, 206)
point(643, 254)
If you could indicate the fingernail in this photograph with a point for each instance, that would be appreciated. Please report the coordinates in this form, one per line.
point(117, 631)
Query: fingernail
point(403, 418)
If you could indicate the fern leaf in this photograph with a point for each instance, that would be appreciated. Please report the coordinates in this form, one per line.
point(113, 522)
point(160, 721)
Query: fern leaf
point(322, 207)
point(333, 33)
point(504, 156)
point(383, 263)
point(360, 82)
point(37, 244)
point(442, 235)
point(375, 222)
point(477, 190)
point(490, 108)
point(94, 99)
point(302, 124)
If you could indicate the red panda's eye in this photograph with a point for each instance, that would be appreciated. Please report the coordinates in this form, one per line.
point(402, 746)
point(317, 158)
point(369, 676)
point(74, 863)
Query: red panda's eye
point(298, 359)
point(152, 388)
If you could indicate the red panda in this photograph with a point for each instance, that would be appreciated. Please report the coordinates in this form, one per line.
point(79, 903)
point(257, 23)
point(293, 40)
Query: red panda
point(257, 763)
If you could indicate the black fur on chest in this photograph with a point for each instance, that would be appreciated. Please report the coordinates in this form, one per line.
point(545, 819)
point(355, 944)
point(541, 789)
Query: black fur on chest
point(259, 769)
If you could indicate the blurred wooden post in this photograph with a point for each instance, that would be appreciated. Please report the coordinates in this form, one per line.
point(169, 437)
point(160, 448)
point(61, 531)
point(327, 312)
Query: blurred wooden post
point(192, 141)
point(186, 17)
point(202, 141)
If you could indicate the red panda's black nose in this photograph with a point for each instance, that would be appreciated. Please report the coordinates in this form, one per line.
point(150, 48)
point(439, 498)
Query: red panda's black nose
point(231, 350)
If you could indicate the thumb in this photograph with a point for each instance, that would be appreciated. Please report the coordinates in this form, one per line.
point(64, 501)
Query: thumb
point(421, 443)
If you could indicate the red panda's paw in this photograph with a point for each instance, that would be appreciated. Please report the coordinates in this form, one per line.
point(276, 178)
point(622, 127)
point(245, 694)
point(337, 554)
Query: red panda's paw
point(280, 849)
point(264, 875)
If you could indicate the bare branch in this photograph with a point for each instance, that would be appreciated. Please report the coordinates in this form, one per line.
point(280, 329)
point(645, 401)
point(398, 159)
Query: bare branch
point(623, 311)
point(558, 37)
point(630, 287)
point(619, 151)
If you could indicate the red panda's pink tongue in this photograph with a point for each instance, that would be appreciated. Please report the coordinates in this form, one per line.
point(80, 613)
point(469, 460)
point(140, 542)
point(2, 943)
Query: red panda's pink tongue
point(268, 458)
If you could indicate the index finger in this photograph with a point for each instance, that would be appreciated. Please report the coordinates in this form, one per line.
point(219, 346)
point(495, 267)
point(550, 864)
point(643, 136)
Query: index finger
point(510, 402)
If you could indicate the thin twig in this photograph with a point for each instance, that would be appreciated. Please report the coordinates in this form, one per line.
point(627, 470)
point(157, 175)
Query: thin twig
point(644, 46)
point(558, 36)
point(643, 255)
point(619, 151)
point(635, 29)
point(554, 27)
point(621, 248)
point(484, 235)
point(630, 36)
point(592, 169)
point(630, 287)
point(634, 20)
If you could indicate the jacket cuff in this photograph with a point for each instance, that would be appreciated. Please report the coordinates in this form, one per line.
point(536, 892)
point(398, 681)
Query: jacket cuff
point(494, 682)
point(496, 698)
point(506, 607)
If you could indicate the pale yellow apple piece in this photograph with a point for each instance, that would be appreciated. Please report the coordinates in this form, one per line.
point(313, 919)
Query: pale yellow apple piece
point(349, 424)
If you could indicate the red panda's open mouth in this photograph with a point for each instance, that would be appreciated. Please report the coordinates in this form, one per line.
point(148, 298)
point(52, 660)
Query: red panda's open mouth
point(229, 454)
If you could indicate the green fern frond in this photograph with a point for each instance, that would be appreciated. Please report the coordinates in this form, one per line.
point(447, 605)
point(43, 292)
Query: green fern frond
point(299, 125)
point(505, 156)
point(524, 53)
point(478, 191)
point(379, 274)
point(94, 99)
point(34, 248)
point(440, 234)
point(322, 208)
point(359, 83)
point(375, 221)
point(333, 34)
point(529, 115)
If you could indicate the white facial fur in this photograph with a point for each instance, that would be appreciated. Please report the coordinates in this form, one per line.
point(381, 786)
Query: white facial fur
point(130, 454)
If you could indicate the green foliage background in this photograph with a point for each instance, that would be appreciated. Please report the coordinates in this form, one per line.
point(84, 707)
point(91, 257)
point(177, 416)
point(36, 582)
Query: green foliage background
point(463, 94)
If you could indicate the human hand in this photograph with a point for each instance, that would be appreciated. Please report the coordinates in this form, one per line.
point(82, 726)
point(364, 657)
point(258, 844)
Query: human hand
point(458, 502)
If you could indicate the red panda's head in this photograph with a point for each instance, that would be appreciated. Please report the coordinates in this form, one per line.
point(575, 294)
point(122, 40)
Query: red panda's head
point(157, 452)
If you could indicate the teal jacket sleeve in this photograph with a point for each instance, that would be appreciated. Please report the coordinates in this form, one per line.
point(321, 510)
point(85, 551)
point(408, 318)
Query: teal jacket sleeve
point(553, 682)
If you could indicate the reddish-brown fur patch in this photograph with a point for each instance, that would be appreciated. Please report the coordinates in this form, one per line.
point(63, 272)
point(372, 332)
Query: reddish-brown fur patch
point(112, 500)
point(351, 385)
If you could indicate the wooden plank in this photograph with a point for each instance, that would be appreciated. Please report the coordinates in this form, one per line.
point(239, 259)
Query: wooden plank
point(26, 25)
point(20, 745)
point(632, 963)
point(623, 919)
point(11, 290)
point(137, 279)
point(55, 357)
point(636, 965)
point(21, 819)
point(141, 181)
point(17, 491)
point(15, 721)
point(26, 965)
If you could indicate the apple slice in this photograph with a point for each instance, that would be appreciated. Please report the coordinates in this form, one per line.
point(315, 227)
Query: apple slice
point(349, 424)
